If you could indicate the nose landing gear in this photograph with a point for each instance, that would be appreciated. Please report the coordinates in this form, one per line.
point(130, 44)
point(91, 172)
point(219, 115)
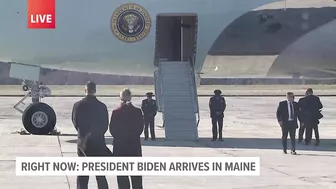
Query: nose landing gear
point(38, 118)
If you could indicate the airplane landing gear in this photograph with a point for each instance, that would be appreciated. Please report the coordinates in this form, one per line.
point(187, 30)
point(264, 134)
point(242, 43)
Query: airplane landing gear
point(25, 85)
point(38, 118)
point(25, 88)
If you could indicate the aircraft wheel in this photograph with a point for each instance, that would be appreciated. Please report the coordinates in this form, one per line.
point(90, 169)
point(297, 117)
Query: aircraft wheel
point(25, 88)
point(39, 119)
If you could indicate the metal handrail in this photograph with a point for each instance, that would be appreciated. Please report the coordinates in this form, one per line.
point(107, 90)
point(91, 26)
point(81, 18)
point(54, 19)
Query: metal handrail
point(158, 96)
point(194, 89)
point(158, 77)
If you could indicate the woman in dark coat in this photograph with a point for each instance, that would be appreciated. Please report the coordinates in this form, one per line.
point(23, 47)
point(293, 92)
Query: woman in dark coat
point(126, 126)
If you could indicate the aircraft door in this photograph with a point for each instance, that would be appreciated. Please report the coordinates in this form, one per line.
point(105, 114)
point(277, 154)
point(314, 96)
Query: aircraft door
point(176, 37)
point(168, 38)
point(189, 37)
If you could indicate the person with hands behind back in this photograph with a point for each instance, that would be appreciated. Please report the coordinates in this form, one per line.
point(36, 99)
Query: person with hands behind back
point(90, 119)
point(126, 126)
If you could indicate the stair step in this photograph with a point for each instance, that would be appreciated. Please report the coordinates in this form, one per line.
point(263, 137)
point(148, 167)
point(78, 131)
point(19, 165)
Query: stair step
point(177, 90)
point(178, 97)
point(176, 79)
point(177, 100)
point(177, 112)
point(177, 94)
point(181, 135)
point(175, 64)
point(180, 117)
point(185, 125)
point(179, 109)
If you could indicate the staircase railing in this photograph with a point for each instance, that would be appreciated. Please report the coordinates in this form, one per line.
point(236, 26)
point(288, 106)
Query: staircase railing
point(158, 90)
point(194, 89)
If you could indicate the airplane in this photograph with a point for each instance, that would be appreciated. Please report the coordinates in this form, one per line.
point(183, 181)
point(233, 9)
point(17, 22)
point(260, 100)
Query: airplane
point(164, 38)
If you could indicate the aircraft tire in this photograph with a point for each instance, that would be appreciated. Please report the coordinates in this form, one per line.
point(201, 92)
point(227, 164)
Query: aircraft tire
point(25, 88)
point(39, 119)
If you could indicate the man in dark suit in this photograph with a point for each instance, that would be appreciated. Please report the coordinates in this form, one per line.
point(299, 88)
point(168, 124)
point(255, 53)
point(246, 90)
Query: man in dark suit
point(126, 126)
point(149, 109)
point(311, 111)
point(217, 107)
point(302, 128)
point(90, 118)
point(287, 115)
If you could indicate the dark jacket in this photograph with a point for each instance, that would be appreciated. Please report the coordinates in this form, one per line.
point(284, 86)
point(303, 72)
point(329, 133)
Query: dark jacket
point(126, 126)
point(310, 109)
point(217, 106)
point(90, 118)
point(149, 108)
point(282, 112)
point(301, 106)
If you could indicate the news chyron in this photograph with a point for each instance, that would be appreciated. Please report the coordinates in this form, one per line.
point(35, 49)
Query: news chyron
point(41, 14)
point(133, 166)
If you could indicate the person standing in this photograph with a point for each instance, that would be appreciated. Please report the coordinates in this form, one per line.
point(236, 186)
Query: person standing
point(90, 118)
point(149, 110)
point(312, 110)
point(217, 107)
point(302, 115)
point(126, 126)
point(287, 115)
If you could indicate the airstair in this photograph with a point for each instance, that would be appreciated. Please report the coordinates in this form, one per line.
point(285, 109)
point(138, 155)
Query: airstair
point(176, 95)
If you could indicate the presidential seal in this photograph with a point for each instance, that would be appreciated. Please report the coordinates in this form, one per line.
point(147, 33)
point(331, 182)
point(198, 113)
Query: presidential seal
point(130, 23)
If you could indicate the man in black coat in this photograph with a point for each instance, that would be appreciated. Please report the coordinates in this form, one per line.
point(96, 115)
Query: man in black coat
point(287, 115)
point(126, 126)
point(217, 107)
point(302, 128)
point(311, 113)
point(90, 118)
point(149, 109)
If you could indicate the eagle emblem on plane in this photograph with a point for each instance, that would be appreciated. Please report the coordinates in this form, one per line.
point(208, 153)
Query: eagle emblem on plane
point(130, 23)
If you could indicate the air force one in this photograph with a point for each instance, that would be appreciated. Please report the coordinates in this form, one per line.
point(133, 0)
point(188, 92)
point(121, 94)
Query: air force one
point(178, 41)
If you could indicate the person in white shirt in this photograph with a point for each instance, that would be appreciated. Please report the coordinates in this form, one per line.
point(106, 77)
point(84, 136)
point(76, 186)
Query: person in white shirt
point(287, 116)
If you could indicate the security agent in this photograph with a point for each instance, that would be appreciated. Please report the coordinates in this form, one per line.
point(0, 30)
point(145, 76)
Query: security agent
point(217, 107)
point(149, 110)
point(287, 115)
point(302, 128)
point(311, 114)
point(90, 118)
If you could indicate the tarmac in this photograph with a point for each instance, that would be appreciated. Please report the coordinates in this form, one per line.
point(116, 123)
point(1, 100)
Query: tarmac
point(250, 130)
point(202, 90)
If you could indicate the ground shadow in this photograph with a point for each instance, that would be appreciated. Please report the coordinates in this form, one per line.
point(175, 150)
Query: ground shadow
point(238, 143)
point(318, 155)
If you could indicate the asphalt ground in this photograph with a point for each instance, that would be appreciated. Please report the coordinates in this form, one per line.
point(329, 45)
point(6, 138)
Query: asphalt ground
point(250, 130)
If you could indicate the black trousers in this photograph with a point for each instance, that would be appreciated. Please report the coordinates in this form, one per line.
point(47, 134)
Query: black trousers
point(215, 131)
point(124, 182)
point(302, 130)
point(149, 122)
point(83, 181)
point(309, 133)
point(289, 128)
